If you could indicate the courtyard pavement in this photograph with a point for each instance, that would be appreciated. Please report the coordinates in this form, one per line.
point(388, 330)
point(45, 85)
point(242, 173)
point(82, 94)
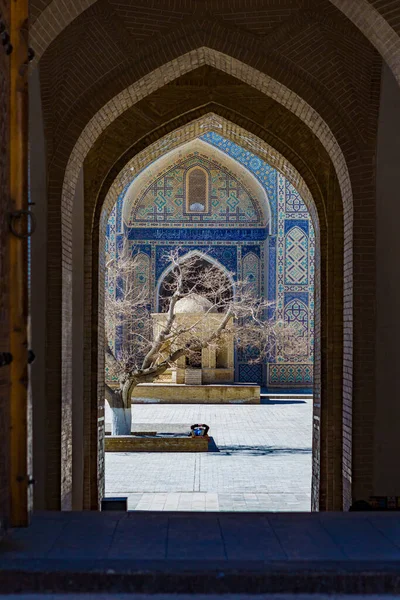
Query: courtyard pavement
point(261, 459)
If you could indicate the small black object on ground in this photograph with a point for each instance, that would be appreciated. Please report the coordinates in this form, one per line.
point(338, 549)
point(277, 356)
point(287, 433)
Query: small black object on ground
point(115, 503)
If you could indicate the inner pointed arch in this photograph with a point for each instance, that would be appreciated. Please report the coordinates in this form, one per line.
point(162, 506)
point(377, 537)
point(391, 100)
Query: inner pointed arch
point(202, 257)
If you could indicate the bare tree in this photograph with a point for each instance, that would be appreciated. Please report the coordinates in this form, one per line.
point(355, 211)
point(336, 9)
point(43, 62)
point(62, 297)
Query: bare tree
point(144, 351)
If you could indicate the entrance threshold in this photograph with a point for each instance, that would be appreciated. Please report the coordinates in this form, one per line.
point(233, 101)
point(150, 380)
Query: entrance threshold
point(153, 552)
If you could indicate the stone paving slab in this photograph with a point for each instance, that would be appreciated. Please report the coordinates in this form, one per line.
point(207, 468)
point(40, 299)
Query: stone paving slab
point(159, 552)
point(205, 536)
point(213, 502)
point(261, 462)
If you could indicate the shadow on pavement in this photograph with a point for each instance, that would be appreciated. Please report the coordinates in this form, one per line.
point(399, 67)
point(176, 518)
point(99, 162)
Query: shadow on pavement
point(259, 450)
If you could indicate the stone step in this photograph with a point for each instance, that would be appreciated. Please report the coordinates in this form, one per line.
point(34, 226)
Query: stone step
point(186, 577)
point(203, 553)
point(173, 596)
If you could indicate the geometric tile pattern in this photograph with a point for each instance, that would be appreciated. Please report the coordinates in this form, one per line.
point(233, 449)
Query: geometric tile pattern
point(294, 205)
point(294, 279)
point(142, 274)
point(251, 272)
point(230, 228)
point(261, 170)
point(290, 374)
point(296, 257)
point(251, 373)
point(296, 312)
point(165, 201)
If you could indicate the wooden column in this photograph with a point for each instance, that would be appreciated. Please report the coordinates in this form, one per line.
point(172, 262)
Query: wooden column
point(18, 261)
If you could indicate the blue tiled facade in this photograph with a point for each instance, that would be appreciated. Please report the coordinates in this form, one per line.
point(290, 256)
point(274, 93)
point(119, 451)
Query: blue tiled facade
point(279, 255)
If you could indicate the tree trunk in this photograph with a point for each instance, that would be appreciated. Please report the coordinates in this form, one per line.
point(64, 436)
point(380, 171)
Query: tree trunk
point(120, 402)
point(121, 421)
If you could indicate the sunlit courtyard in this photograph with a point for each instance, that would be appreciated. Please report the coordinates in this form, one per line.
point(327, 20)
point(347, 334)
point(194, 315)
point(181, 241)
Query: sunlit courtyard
point(259, 459)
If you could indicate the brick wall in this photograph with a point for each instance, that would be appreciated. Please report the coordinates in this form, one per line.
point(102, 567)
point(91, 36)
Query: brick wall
point(4, 298)
point(379, 20)
point(132, 159)
point(334, 98)
point(339, 412)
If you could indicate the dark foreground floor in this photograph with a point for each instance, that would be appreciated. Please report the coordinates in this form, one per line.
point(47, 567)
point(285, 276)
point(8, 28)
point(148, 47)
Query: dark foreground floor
point(149, 552)
point(195, 597)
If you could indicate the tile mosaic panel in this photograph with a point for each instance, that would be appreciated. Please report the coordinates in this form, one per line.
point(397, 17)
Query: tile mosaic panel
point(165, 201)
point(280, 258)
point(286, 375)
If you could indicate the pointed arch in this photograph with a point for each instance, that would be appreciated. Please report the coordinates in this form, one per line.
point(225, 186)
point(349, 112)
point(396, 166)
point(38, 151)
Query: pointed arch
point(201, 256)
point(171, 150)
point(295, 104)
point(376, 28)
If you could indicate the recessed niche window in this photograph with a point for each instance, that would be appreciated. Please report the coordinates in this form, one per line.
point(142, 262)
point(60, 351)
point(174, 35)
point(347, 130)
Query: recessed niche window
point(197, 190)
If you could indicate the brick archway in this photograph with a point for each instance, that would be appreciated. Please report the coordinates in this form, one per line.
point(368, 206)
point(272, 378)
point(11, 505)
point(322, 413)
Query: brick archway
point(270, 88)
point(95, 240)
point(374, 24)
point(311, 120)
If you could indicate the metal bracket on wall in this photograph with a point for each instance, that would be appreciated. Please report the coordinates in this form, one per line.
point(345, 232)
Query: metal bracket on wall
point(6, 358)
point(14, 218)
point(5, 38)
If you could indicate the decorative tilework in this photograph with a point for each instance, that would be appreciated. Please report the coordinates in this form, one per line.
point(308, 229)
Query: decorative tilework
point(296, 312)
point(280, 256)
point(251, 272)
point(290, 374)
point(295, 249)
point(142, 273)
point(225, 254)
point(294, 204)
point(296, 257)
point(256, 249)
point(251, 373)
point(261, 170)
point(165, 200)
point(190, 234)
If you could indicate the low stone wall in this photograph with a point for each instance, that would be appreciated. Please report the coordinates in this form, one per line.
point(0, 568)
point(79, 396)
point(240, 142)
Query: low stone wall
point(174, 393)
point(131, 443)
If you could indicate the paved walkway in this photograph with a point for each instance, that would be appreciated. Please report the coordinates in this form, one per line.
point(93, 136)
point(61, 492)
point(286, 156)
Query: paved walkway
point(204, 553)
point(208, 536)
point(261, 462)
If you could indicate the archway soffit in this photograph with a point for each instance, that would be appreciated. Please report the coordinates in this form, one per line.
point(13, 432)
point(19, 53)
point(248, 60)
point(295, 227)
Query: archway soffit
point(55, 18)
point(184, 64)
point(221, 38)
